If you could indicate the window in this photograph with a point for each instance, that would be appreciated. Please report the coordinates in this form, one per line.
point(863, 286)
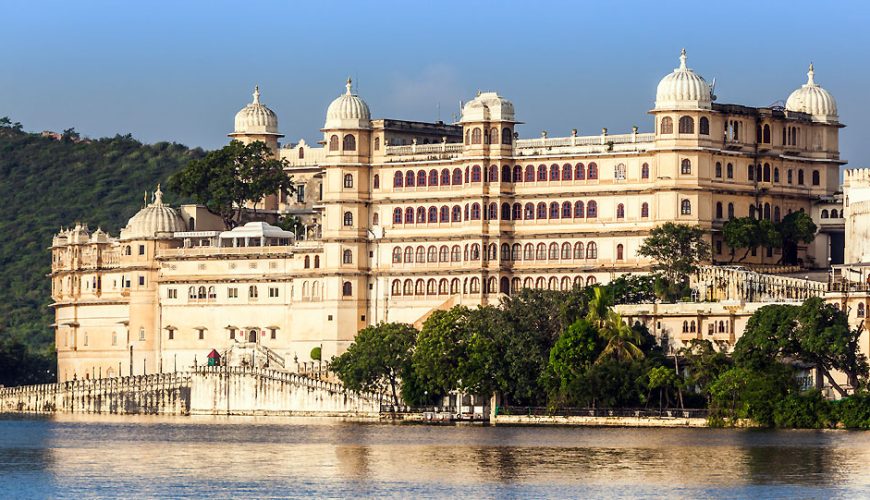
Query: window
point(776, 174)
point(579, 252)
point(554, 210)
point(619, 251)
point(253, 293)
point(273, 292)
point(172, 293)
point(410, 178)
point(800, 177)
point(347, 257)
point(530, 173)
point(476, 136)
point(200, 293)
point(824, 213)
point(542, 172)
point(644, 210)
point(789, 177)
point(518, 173)
point(141, 280)
point(729, 171)
point(457, 176)
point(816, 179)
point(644, 171)
point(620, 211)
point(506, 136)
point(704, 126)
point(141, 249)
point(718, 209)
point(475, 173)
point(493, 173)
point(619, 172)
point(860, 310)
point(579, 172)
point(554, 172)
point(718, 171)
point(542, 210)
point(766, 134)
point(349, 143)
point(566, 210)
point(475, 211)
point(686, 166)
point(348, 219)
point(398, 180)
point(686, 207)
point(567, 171)
point(348, 180)
point(592, 250)
point(232, 293)
point(333, 143)
point(141, 334)
point(687, 125)
point(592, 210)
point(346, 289)
point(457, 214)
point(667, 126)
point(750, 173)
point(397, 216)
point(592, 171)
point(766, 171)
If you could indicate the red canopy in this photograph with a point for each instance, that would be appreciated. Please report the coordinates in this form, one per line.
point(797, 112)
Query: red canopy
point(213, 355)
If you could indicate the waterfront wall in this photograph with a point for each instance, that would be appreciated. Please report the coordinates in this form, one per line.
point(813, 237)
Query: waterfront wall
point(577, 420)
point(206, 391)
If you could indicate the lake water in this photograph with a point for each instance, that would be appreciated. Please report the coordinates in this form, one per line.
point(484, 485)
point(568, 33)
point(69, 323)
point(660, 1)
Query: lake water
point(107, 457)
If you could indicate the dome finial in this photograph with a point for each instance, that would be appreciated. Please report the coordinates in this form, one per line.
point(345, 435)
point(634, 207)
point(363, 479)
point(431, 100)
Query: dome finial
point(810, 75)
point(683, 59)
point(256, 94)
point(158, 196)
point(348, 85)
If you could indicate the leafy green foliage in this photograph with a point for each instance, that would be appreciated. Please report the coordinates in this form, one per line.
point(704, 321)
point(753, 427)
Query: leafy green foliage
point(750, 233)
point(631, 289)
point(315, 353)
point(853, 412)
point(677, 250)
point(378, 358)
point(224, 180)
point(20, 364)
point(52, 183)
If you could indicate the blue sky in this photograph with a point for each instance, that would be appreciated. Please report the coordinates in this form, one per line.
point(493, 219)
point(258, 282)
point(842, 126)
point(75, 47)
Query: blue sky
point(180, 70)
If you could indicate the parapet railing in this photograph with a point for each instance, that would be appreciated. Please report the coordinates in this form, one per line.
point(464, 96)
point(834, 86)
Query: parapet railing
point(603, 412)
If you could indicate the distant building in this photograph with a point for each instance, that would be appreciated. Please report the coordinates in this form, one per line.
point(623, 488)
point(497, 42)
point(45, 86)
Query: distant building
point(402, 218)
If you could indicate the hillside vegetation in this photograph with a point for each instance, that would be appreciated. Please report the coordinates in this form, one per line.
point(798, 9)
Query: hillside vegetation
point(48, 182)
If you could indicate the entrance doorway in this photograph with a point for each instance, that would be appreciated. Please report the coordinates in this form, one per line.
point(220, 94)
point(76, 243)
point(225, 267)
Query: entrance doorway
point(252, 336)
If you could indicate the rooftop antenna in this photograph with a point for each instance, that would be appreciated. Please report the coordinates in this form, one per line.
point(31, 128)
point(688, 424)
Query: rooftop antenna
point(438, 105)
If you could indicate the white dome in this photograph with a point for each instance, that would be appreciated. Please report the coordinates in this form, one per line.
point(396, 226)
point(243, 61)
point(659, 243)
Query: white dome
point(812, 99)
point(488, 106)
point(153, 219)
point(255, 118)
point(348, 111)
point(683, 89)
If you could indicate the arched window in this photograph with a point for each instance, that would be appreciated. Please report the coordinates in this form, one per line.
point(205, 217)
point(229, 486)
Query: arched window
point(316, 262)
point(506, 136)
point(421, 215)
point(752, 211)
point(667, 126)
point(410, 178)
point(777, 214)
point(686, 166)
point(776, 174)
point(579, 210)
point(579, 252)
point(685, 327)
point(704, 126)
point(592, 210)
point(530, 173)
point(200, 292)
point(421, 178)
point(566, 210)
point(766, 134)
point(442, 286)
point(506, 173)
point(554, 172)
point(729, 171)
point(619, 171)
point(766, 172)
point(579, 172)
point(800, 177)
point(541, 251)
point(445, 177)
point(750, 173)
point(475, 252)
point(398, 180)
point(347, 257)
point(860, 310)
point(307, 262)
point(620, 211)
point(789, 176)
point(529, 211)
point(333, 143)
point(408, 287)
point(758, 175)
point(346, 289)
point(349, 143)
point(591, 250)
point(475, 173)
point(377, 143)
point(397, 287)
point(506, 211)
point(566, 251)
point(619, 251)
point(718, 209)
point(686, 207)
point(397, 255)
point(592, 171)
point(528, 252)
point(644, 210)
point(518, 173)
point(567, 171)
point(517, 212)
point(253, 292)
point(443, 254)
point(420, 255)
point(348, 180)
point(824, 213)
point(457, 176)
point(493, 211)
point(767, 211)
point(433, 177)
point(409, 215)
point(644, 171)
point(455, 253)
point(433, 215)
point(687, 125)
point(554, 210)
point(816, 178)
point(476, 136)
point(553, 253)
point(493, 173)
point(542, 172)
point(730, 211)
point(833, 213)
point(493, 135)
point(475, 211)
point(718, 170)
point(348, 219)
point(542, 210)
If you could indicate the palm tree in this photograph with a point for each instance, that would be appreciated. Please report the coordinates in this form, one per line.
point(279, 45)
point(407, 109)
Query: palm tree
point(622, 340)
point(599, 306)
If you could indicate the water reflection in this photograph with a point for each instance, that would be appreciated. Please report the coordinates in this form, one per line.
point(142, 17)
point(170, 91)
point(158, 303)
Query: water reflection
point(156, 456)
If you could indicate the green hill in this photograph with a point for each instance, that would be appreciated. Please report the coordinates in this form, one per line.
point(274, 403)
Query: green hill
point(47, 182)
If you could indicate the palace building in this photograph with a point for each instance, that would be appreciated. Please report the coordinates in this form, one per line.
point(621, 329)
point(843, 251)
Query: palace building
point(403, 218)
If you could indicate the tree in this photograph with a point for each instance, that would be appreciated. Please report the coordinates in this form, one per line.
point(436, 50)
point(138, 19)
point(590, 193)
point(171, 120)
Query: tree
point(570, 358)
point(749, 233)
point(442, 345)
point(628, 289)
point(664, 379)
point(599, 306)
point(621, 341)
point(228, 178)
point(743, 392)
point(379, 356)
point(704, 364)
point(677, 249)
point(795, 228)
